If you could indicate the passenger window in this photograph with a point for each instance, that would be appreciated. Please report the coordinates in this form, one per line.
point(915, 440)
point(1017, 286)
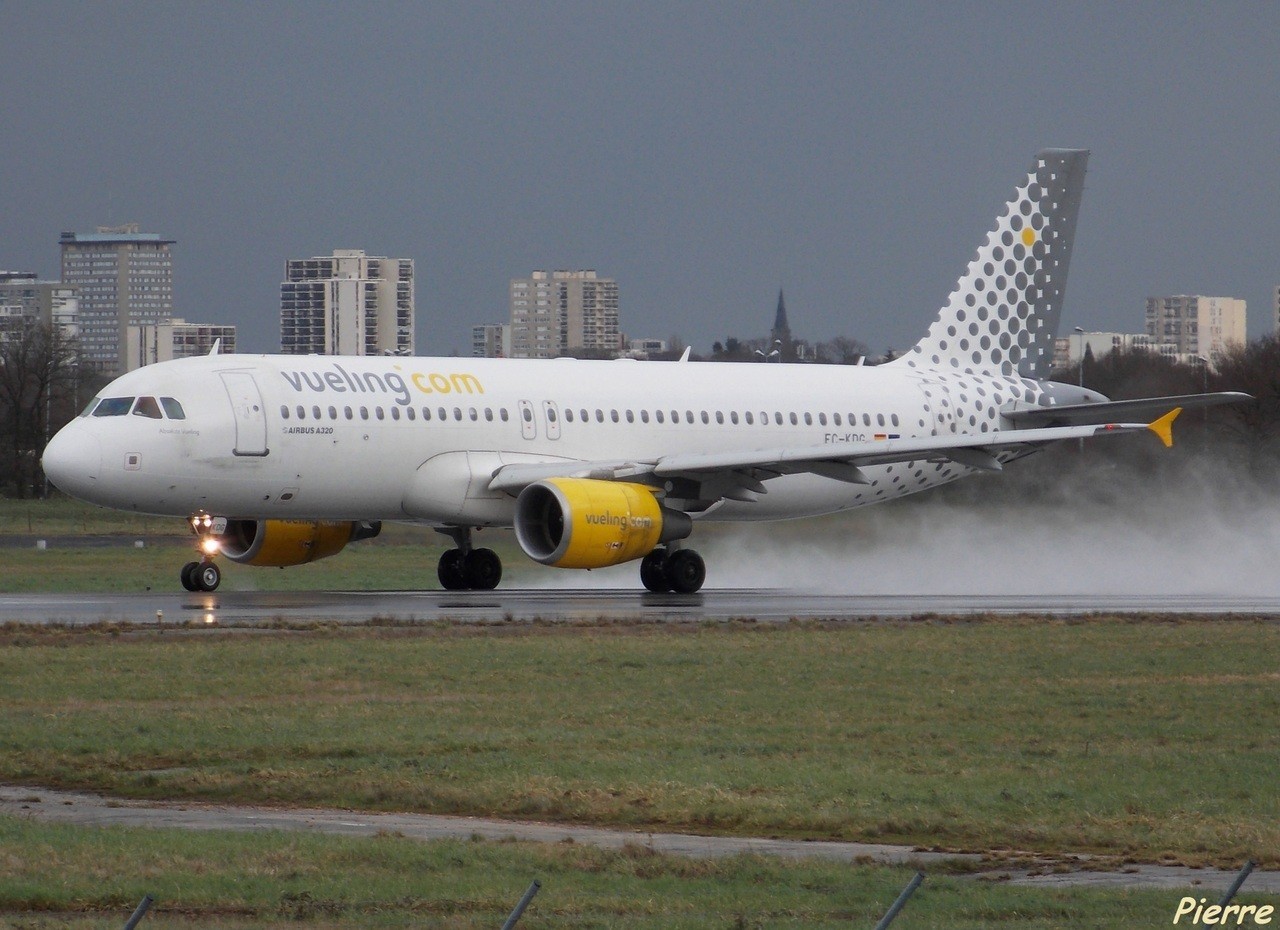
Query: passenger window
point(659, 416)
point(410, 413)
point(880, 419)
point(644, 416)
point(347, 412)
point(822, 419)
point(173, 410)
point(835, 417)
point(148, 407)
point(568, 414)
point(395, 413)
point(583, 415)
point(599, 415)
point(488, 414)
point(750, 420)
point(473, 413)
point(688, 414)
point(894, 419)
point(503, 414)
point(720, 417)
point(457, 414)
point(113, 407)
point(733, 418)
point(631, 417)
point(808, 419)
point(426, 413)
point(777, 417)
point(795, 420)
point(527, 414)
point(705, 419)
point(315, 411)
point(380, 413)
point(866, 419)
point(284, 412)
point(443, 414)
point(302, 413)
point(364, 413)
point(333, 413)
point(613, 415)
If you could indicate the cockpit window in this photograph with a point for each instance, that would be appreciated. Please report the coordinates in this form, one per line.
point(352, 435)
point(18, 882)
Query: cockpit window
point(147, 407)
point(88, 408)
point(172, 408)
point(113, 407)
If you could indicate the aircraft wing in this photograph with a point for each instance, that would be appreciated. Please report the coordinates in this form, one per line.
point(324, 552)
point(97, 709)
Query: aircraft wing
point(743, 471)
point(1079, 414)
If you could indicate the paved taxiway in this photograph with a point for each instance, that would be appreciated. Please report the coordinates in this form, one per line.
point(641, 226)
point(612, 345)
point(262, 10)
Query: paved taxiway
point(94, 810)
point(567, 605)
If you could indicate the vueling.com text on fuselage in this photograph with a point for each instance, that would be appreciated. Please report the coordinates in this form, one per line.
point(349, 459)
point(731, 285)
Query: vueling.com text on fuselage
point(394, 384)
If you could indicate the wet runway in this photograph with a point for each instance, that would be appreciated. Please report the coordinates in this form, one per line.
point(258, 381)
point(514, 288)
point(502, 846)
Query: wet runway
point(577, 604)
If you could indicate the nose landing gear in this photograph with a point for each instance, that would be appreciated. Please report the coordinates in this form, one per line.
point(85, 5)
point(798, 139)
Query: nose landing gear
point(201, 576)
point(204, 575)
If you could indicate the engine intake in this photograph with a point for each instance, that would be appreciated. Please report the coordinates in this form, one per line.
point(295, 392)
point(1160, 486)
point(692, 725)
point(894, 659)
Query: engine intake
point(586, 523)
point(289, 542)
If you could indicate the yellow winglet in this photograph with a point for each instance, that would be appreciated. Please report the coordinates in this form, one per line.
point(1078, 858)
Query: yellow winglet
point(1163, 427)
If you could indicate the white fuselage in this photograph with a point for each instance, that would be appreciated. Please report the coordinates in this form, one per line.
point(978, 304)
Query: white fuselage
point(284, 437)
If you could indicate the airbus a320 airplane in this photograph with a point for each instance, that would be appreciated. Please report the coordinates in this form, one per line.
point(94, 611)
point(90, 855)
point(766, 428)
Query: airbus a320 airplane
point(282, 460)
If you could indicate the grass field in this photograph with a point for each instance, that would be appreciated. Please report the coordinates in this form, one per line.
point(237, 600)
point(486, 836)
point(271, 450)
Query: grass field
point(1151, 740)
point(273, 880)
point(1136, 739)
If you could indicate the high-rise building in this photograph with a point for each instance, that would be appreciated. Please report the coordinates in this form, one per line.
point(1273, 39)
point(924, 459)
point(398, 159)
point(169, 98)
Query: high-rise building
point(564, 313)
point(491, 340)
point(348, 303)
point(1196, 325)
point(122, 278)
point(170, 339)
point(23, 297)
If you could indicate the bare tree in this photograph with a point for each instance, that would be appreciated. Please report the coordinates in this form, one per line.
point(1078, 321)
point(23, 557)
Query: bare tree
point(842, 350)
point(39, 378)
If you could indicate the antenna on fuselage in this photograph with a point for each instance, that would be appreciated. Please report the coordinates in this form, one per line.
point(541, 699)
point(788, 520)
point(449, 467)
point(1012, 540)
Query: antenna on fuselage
point(684, 356)
point(217, 346)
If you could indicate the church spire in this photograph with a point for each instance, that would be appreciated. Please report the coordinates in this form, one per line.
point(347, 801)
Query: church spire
point(780, 336)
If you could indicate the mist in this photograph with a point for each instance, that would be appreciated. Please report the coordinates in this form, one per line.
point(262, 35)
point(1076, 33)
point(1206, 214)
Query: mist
point(1057, 524)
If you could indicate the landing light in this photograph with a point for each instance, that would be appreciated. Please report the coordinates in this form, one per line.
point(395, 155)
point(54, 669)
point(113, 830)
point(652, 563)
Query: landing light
point(210, 546)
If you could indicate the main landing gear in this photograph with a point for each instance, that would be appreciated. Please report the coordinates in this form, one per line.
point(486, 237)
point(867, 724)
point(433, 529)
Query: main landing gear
point(467, 569)
point(681, 571)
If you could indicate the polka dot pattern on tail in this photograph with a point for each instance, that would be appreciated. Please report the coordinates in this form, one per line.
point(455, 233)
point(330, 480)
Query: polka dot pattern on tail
point(1007, 305)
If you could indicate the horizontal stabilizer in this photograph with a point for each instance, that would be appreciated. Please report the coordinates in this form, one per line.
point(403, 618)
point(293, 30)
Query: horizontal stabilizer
point(1086, 414)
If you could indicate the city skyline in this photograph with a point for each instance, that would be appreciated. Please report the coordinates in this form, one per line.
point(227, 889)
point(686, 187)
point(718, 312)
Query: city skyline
point(847, 155)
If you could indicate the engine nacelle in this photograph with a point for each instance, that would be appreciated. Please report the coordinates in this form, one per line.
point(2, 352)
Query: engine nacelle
point(289, 542)
point(586, 523)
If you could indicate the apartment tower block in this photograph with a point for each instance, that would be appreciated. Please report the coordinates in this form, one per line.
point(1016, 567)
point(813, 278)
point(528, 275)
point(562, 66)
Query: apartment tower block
point(348, 303)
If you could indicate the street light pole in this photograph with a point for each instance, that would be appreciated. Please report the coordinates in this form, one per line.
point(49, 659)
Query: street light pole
point(1081, 332)
point(1204, 368)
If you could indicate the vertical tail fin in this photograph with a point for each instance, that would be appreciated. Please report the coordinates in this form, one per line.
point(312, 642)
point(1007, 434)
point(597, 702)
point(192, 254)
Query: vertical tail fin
point(1002, 317)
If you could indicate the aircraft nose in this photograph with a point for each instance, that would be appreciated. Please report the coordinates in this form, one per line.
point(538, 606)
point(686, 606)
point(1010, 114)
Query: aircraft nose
point(73, 459)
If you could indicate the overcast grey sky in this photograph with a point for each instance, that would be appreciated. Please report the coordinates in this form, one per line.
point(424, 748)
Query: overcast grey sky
point(703, 154)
